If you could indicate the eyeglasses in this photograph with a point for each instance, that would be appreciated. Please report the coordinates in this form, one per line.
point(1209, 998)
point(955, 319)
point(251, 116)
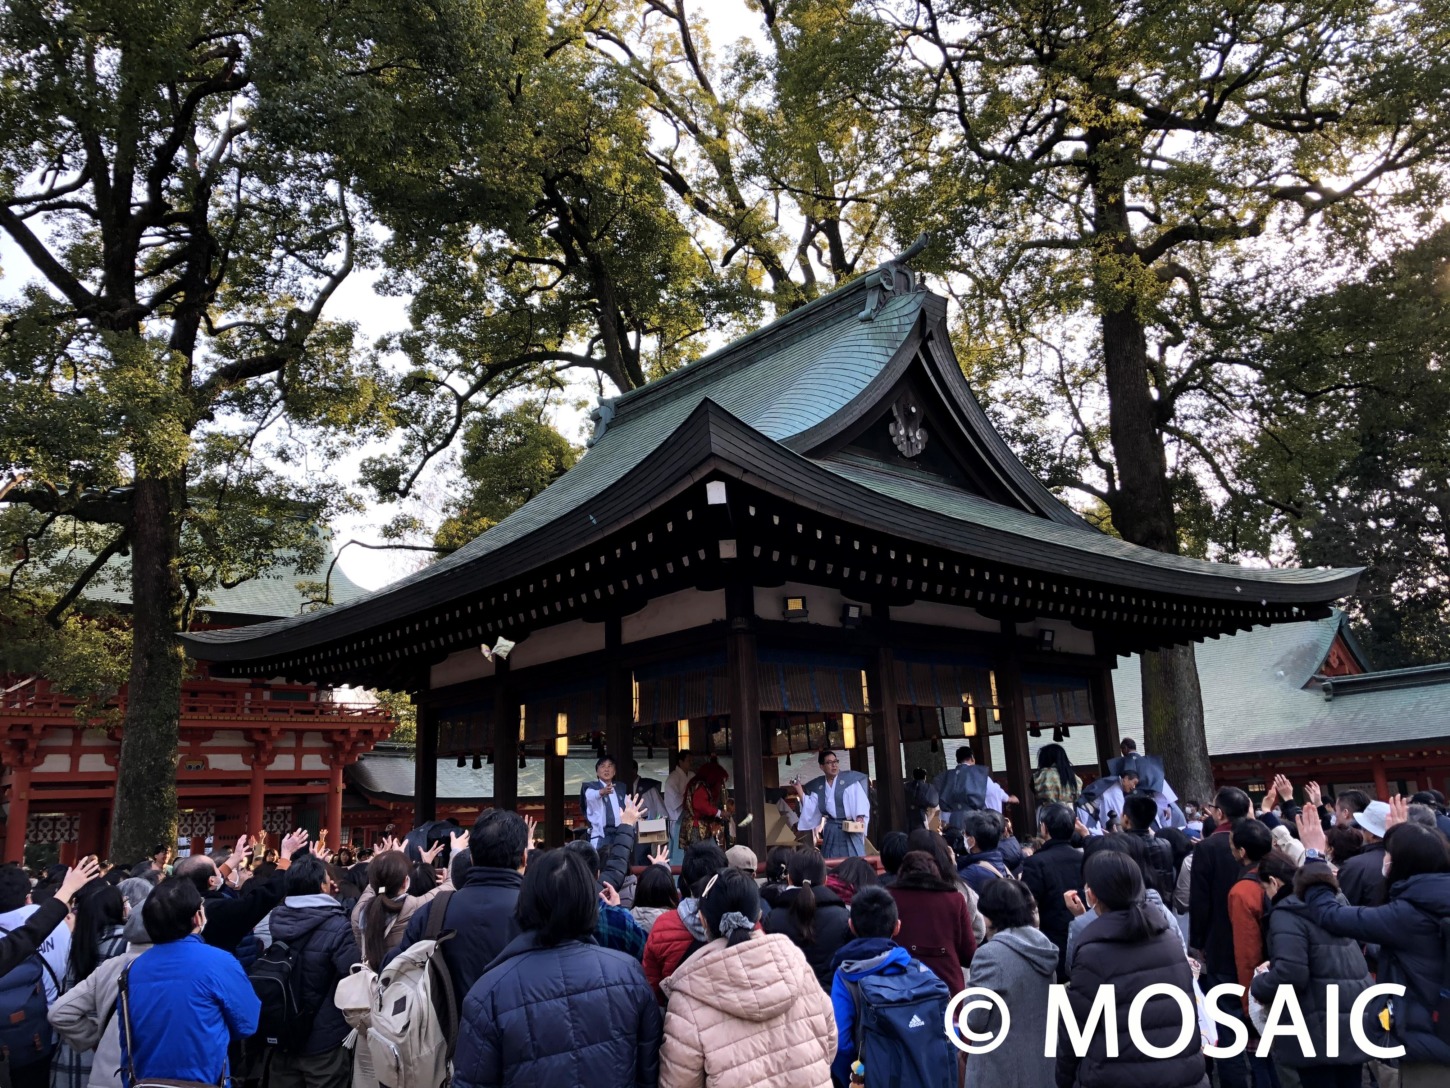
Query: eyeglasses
point(831, 763)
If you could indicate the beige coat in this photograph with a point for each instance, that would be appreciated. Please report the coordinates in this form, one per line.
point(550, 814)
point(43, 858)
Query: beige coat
point(747, 1016)
point(393, 937)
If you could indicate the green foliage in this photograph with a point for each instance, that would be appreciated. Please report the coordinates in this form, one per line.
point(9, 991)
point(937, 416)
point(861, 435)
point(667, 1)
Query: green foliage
point(508, 458)
point(1355, 445)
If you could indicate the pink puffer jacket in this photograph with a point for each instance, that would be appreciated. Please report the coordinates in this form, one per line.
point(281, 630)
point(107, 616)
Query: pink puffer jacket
point(747, 1016)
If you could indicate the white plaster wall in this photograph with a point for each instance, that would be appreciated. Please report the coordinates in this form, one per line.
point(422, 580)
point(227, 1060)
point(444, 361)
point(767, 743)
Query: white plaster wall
point(556, 643)
point(55, 762)
point(94, 761)
point(945, 615)
point(285, 761)
point(457, 667)
point(311, 761)
point(823, 605)
point(1067, 639)
point(674, 612)
point(226, 738)
point(226, 761)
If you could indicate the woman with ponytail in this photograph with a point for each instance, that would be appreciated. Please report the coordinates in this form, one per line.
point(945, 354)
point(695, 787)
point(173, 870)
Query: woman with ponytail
point(1128, 948)
point(748, 1002)
point(811, 914)
point(381, 916)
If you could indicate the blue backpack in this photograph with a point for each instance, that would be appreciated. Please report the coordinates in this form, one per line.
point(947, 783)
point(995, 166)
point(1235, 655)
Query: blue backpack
point(901, 1029)
point(25, 1034)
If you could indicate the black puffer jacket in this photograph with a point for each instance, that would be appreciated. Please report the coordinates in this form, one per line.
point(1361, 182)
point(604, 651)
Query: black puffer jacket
point(480, 915)
point(1303, 956)
point(1362, 877)
point(1407, 929)
point(830, 925)
point(1107, 955)
point(320, 927)
point(573, 1014)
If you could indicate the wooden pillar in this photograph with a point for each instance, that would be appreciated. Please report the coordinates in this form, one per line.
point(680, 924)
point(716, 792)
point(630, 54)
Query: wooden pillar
point(618, 699)
point(886, 728)
point(745, 742)
point(18, 822)
point(257, 799)
point(425, 766)
point(333, 819)
point(553, 799)
point(1381, 782)
point(505, 738)
point(1014, 731)
point(1105, 718)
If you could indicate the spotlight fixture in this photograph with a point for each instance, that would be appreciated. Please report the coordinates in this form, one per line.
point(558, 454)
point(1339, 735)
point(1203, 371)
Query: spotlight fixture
point(1045, 638)
point(793, 608)
point(851, 615)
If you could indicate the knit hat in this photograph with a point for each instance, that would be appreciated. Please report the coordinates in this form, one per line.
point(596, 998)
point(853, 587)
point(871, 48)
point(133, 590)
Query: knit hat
point(742, 857)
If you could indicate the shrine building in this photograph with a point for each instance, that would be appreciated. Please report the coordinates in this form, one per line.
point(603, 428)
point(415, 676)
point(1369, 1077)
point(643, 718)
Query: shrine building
point(255, 753)
point(810, 537)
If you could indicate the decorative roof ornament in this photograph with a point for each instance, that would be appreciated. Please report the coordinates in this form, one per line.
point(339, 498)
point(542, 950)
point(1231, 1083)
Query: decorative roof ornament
point(894, 278)
point(602, 415)
point(906, 425)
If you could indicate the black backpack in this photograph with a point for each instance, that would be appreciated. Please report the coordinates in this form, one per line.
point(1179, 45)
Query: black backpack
point(275, 975)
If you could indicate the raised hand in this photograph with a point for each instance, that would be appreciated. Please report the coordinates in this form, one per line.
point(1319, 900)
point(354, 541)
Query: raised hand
point(609, 894)
point(1267, 804)
point(458, 842)
point(1074, 903)
point(661, 856)
point(292, 843)
point(531, 825)
point(77, 877)
point(1313, 794)
point(1310, 833)
point(1399, 812)
point(1285, 787)
point(429, 855)
point(631, 814)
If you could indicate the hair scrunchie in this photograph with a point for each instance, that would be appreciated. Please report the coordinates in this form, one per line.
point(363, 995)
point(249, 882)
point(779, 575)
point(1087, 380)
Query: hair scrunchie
point(806, 883)
point(733, 920)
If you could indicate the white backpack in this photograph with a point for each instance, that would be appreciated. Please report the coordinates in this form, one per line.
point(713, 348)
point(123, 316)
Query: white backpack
point(406, 1016)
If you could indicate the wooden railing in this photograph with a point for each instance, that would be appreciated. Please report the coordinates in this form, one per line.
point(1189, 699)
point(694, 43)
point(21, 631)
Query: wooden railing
point(202, 699)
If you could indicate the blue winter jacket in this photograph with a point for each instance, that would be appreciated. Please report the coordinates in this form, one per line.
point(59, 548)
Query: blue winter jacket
point(978, 870)
point(560, 1017)
point(1407, 929)
point(854, 961)
point(188, 1002)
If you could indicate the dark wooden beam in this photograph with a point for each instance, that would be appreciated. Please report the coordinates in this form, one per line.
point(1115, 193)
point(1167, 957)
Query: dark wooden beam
point(745, 740)
point(886, 729)
point(425, 764)
point(618, 697)
point(505, 738)
point(554, 835)
point(1105, 718)
point(1014, 732)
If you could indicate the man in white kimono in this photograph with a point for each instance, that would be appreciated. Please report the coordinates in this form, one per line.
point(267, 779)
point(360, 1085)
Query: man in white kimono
point(675, 801)
point(603, 803)
point(832, 800)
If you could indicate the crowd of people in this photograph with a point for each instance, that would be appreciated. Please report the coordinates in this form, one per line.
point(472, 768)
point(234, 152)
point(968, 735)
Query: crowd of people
point(477, 957)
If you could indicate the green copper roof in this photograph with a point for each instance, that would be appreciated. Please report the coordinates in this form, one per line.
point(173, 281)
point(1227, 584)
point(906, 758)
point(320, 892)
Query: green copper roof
point(1260, 695)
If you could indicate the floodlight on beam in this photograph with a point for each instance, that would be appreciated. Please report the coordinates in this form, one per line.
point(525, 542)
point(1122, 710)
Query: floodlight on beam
point(1045, 638)
point(794, 608)
point(851, 615)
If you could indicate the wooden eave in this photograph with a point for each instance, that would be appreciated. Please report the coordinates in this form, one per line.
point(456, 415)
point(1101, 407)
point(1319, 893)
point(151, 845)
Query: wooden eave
point(653, 532)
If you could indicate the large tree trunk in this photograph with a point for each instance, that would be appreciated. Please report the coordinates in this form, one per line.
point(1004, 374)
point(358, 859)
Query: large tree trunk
point(1142, 506)
point(146, 778)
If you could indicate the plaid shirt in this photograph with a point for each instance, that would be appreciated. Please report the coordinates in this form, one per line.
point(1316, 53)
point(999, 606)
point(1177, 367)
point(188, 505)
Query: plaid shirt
point(1048, 785)
point(71, 1068)
point(618, 930)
